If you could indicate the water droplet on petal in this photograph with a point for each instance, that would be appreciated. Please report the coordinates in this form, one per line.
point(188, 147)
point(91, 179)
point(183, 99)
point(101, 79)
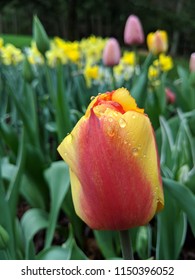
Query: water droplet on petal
point(110, 119)
point(133, 116)
point(110, 131)
point(144, 155)
point(92, 97)
point(69, 138)
point(135, 151)
point(122, 123)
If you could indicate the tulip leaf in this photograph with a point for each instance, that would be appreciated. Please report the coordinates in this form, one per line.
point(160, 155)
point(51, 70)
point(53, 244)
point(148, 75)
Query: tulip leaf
point(28, 188)
point(9, 136)
point(57, 176)
point(68, 251)
point(184, 198)
point(54, 253)
point(138, 90)
point(182, 97)
point(167, 144)
point(6, 218)
point(143, 242)
point(40, 36)
point(32, 222)
point(171, 229)
point(76, 252)
point(107, 242)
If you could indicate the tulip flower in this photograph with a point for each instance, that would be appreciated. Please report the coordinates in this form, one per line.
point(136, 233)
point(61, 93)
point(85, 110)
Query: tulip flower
point(133, 32)
point(114, 167)
point(157, 42)
point(111, 53)
point(170, 96)
point(192, 62)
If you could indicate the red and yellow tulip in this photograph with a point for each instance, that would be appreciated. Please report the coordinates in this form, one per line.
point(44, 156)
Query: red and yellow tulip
point(114, 168)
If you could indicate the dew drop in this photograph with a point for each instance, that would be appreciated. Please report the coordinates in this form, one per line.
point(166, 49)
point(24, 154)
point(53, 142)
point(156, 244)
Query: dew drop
point(135, 151)
point(110, 119)
point(144, 155)
point(122, 123)
point(110, 131)
point(115, 114)
point(69, 138)
point(125, 142)
point(92, 97)
point(133, 116)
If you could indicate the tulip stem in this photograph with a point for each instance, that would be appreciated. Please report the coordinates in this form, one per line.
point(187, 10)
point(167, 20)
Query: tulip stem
point(126, 245)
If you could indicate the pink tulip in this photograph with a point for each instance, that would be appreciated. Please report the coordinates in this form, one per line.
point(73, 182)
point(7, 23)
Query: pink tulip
point(111, 53)
point(170, 96)
point(192, 62)
point(133, 32)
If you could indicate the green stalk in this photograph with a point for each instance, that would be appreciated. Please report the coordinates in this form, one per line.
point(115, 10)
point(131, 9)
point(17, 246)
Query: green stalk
point(14, 187)
point(126, 245)
point(113, 78)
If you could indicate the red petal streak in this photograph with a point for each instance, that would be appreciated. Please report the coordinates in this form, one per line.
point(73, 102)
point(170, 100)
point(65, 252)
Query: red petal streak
point(107, 100)
point(112, 180)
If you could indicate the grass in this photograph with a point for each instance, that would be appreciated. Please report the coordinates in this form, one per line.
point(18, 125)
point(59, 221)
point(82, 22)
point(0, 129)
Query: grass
point(19, 41)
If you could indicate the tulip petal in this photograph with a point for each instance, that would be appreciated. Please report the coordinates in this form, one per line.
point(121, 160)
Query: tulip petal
point(115, 176)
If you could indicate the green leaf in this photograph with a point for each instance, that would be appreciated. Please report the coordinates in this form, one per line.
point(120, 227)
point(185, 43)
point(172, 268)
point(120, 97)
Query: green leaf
point(76, 222)
point(28, 188)
point(167, 144)
point(6, 220)
point(40, 36)
point(4, 238)
point(32, 222)
point(57, 176)
point(54, 253)
point(14, 186)
point(184, 198)
point(138, 90)
point(62, 107)
point(171, 229)
point(76, 252)
point(9, 136)
point(107, 242)
point(143, 242)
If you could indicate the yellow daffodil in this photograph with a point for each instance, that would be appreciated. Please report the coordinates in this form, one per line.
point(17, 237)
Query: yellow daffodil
point(128, 58)
point(166, 62)
point(153, 72)
point(91, 72)
point(11, 55)
point(34, 56)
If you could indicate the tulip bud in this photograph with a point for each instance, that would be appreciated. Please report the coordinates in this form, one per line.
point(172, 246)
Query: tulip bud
point(157, 42)
point(170, 95)
point(4, 238)
point(40, 36)
point(133, 32)
point(192, 62)
point(111, 53)
point(114, 166)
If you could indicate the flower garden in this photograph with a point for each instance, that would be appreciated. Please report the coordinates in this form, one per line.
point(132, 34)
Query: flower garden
point(123, 119)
